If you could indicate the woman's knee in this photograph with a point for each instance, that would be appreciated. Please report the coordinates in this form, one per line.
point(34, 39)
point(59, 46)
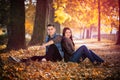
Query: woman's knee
point(83, 46)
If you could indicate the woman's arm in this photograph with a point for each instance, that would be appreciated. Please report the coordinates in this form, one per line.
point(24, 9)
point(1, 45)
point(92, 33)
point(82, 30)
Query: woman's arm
point(68, 46)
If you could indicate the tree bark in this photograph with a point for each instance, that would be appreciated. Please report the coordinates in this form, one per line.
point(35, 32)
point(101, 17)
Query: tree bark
point(16, 27)
point(118, 35)
point(83, 36)
point(91, 31)
point(57, 25)
point(87, 33)
point(99, 39)
point(4, 6)
point(40, 23)
point(51, 12)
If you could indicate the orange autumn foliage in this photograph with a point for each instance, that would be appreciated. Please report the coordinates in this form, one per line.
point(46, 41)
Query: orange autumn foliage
point(28, 27)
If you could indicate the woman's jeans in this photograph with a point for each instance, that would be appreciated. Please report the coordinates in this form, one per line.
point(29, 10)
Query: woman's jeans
point(83, 52)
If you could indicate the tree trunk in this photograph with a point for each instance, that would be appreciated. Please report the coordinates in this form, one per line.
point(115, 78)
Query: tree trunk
point(118, 37)
point(91, 32)
point(83, 33)
point(51, 16)
point(57, 25)
point(50, 12)
point(16, 28)
point(87, 33)
point(99, 38)
point(4, 6)
point(40, 23)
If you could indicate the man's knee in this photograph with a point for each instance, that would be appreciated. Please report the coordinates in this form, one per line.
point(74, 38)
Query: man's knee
point(52, 46)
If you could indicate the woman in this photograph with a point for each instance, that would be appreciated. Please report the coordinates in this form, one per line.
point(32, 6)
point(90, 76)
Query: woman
point(81, 53)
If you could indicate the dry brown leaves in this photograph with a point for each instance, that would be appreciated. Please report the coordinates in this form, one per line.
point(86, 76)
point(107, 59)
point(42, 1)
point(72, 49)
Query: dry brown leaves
point(35, 70)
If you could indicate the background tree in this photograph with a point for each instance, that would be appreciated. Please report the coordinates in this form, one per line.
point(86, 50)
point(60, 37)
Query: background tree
point(4, 6)
point(99, 20)
point(16, 27)
point(40, 23)
point(118, 36)
point(81, 14)
point(51, 16)
point(29, 15)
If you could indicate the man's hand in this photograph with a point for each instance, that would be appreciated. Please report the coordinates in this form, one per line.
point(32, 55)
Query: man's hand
point(33, 48)
point(42, 47)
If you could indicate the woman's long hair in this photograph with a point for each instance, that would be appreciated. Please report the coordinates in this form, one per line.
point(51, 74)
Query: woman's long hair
point(64, 30)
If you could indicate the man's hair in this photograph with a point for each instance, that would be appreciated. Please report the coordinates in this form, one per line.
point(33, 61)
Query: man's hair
point(50, 25)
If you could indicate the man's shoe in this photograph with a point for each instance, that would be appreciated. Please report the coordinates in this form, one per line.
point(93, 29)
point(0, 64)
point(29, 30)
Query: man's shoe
point(43, 59)
point(13, 59)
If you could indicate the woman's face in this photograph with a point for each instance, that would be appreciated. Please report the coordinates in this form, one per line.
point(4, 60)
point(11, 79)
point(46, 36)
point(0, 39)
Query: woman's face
point(68, 33)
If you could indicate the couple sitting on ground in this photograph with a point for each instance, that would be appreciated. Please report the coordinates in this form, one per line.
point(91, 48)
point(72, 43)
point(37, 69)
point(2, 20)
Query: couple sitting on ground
point(62, 47)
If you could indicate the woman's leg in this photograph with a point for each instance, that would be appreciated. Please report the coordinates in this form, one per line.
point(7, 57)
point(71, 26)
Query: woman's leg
point(77, 56)
point(96, 57)
point(82, 52)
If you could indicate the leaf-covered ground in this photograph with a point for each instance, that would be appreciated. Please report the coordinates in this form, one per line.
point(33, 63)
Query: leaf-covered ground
point(34, 70)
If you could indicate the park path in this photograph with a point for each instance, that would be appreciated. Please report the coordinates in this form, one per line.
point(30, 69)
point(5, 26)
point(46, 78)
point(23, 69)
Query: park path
point(94, 44)
point(105, 49)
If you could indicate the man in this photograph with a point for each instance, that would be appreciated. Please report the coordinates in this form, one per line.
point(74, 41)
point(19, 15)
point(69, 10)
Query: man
point(53, 47)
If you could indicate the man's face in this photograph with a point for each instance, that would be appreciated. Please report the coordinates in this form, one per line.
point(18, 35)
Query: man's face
point(51, 30)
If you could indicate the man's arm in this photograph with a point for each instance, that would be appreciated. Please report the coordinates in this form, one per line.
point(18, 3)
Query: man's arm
point(41, 47)
point(47, 44)
point(53, 41)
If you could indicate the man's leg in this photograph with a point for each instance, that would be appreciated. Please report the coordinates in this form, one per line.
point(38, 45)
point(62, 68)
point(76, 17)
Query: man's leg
point(53, 54)
point(34, 58)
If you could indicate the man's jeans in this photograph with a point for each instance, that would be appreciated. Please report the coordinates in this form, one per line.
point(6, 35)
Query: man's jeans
point(83, 52)
point(52, 55)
